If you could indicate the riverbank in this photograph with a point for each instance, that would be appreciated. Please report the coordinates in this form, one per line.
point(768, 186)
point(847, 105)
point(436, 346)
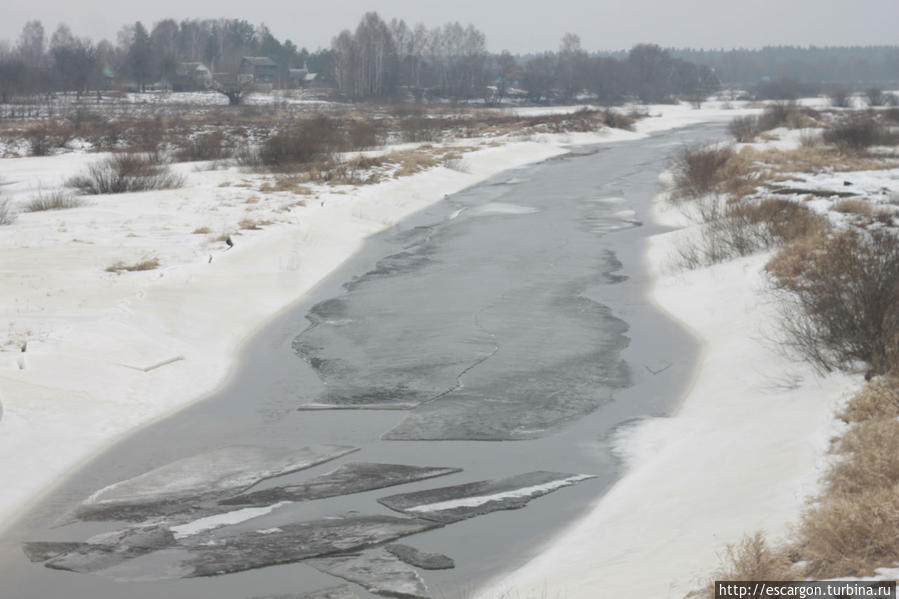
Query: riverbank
point(753, 421)
point(106, 352)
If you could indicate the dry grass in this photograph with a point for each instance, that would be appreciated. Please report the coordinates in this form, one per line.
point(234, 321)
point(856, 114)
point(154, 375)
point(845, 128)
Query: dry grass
point(290, 184)
point(754, 559)
point(879, 399)
point(55, 200)
point(858, 207)
point(202, 231)
point(251, 224)
point(850, 534)
point(145, 264)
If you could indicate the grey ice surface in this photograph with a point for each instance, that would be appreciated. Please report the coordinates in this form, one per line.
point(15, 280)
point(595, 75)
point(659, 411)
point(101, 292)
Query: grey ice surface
point(177, 486)
point(294, 542)
point(460, 502)
point(352, 477)
point(441, 327)
point(380, 574)
point(420, 559)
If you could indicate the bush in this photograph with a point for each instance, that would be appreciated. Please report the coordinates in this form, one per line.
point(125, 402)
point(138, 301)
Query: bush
point(745, 227)
point(209, 146)
point(419, 129)
point(698, 170)
point(786, 114)
point(362, 135)
point(857, 134)
point(876, 97)
point(302, 143)
point(753, 559)
point(744, 128)
point(39, 141)
point(842, 298)
point(840, 98)
point(126, 173)
point(56, 200)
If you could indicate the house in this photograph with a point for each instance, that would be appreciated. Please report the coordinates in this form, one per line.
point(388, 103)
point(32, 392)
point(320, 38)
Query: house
point(260, 70)
point(191, 76)
point(300, 77)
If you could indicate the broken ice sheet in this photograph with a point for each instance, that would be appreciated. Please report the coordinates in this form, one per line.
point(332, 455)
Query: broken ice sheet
point(212, 556)
point(380, 574)
point(353, 477)
point(208, 476)
point(459, 502)
point(420, 559)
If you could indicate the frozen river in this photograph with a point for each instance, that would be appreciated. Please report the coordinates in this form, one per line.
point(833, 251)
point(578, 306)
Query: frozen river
point(455, 387)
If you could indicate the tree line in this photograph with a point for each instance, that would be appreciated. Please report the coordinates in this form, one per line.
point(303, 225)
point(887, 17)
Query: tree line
point(386, 60)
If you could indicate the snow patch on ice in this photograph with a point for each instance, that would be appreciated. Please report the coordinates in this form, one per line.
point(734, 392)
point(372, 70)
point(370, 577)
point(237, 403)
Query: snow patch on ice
point(476, 501)
point(226, 519)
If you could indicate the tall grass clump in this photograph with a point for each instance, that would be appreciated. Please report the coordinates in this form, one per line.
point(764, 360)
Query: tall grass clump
point(125, 173)
point(700, 170)
point(54, 200)
point(7, 213)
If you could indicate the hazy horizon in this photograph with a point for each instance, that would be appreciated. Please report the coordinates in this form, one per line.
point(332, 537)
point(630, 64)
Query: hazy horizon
point(613, 24)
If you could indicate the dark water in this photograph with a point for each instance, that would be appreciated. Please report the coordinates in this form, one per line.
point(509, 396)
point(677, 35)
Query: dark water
point(513, 311)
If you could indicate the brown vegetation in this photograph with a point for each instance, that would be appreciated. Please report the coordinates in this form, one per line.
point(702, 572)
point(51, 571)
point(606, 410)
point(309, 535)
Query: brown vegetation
point(124, 173)
point(145, 264)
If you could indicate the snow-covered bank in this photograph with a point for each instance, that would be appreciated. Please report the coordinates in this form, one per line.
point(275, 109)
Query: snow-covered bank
point(741, 453)
point(106, 353)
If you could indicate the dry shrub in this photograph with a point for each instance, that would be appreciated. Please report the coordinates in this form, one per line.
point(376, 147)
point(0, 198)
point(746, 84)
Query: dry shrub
point(850, 535)
point(857, 134)
point(699, 170)
point(146, 135)
point(202, 231)
point(786, 114)
point(420, 128)
point(745, 227)
point(46, 136)
point(744, 129)
point(841, 298)
point(125, 173)
point(753, 559)
point(145, 264)
point(301, 143)
point(362, 135)
point(878, 399)
point(209, 146)
point(55, 200)
point(870, 452)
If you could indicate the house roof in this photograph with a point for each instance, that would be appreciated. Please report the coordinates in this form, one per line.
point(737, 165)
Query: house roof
point(260, 61)
point(190, 67)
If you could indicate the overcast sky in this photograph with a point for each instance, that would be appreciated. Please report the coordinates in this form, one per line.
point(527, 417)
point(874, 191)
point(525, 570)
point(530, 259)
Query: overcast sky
point(519, 26)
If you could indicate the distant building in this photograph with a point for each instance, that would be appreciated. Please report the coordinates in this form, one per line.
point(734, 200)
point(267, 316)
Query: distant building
point(260, 70)
point(191, 76)
point(300, 77)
